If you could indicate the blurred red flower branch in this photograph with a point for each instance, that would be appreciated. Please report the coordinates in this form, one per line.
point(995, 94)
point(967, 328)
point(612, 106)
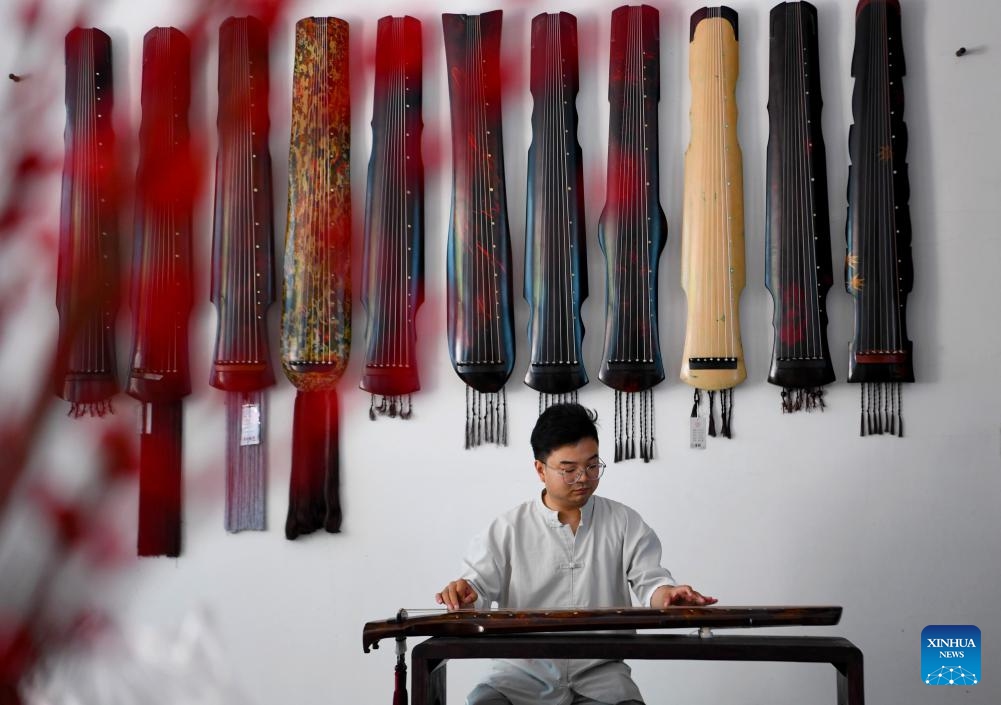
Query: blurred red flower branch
point(30, 165)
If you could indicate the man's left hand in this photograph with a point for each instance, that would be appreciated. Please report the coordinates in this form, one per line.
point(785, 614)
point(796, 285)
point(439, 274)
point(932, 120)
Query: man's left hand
point(679, 595)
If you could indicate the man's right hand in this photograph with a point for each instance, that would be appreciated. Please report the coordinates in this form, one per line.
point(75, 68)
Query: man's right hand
point(456, 595)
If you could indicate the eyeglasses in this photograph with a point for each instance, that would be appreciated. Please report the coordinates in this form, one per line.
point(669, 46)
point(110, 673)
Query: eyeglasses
point(570, 475)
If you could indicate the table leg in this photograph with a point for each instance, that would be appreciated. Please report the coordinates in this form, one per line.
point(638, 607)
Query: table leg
point(427, 681)
point(851, 685)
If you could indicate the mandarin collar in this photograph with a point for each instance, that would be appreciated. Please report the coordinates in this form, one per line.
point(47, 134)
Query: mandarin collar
point(552, 516)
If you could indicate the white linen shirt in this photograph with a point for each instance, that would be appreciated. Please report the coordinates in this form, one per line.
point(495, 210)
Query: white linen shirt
point(527, 559)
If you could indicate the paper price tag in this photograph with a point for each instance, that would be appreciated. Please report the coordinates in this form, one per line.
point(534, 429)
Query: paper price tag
point(700, 427)
point(250, 425)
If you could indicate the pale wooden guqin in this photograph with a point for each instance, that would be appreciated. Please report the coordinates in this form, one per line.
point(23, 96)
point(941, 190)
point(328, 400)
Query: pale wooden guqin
point(712, 239)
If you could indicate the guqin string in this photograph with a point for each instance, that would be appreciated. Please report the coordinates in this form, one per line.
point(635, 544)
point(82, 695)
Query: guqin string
point(797, 236)
point(87, 279)
point(243, 285)
point(316, 302)
point(393, 274)
point(712, 245)
point(480, 313)
point(632, 231)
point(555, 248)
point(162, 285)
point(878, 266)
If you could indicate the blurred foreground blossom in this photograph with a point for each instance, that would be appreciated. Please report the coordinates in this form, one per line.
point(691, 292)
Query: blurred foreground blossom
point(67, 487)
point(112, 665)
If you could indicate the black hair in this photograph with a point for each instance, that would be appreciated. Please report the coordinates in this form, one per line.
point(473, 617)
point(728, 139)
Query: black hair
point(561, 425)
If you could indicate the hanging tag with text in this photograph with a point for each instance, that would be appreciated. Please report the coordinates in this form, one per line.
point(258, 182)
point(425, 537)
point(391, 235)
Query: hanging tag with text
point(250, 425)
point(699, 428)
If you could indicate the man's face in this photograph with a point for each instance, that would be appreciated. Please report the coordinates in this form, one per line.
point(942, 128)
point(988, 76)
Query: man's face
point(561, 495)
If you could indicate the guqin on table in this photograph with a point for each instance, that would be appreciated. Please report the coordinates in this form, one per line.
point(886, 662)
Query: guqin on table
point(393, 273)
point(501, 622)
point(797, 230)
point(414, 623)
point(87, 280)
point(878, 267)
point(533, 634)
point(555, 242)
point(316, 303)
point(712, 244)
point(632, 230)
point(243, 280)
point(159, 376)
point(480, 313)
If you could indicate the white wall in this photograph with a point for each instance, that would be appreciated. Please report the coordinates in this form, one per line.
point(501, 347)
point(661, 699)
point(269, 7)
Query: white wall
point(794, 510)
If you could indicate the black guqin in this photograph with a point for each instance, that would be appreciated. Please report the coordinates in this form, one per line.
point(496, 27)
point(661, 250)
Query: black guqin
point(243, 280)
point(797, 225)
point(87, 279)
point(555, 247)
point(480, 313)
point(878, 266)
point(162, 284)
point(632, 231)
point(393, 273)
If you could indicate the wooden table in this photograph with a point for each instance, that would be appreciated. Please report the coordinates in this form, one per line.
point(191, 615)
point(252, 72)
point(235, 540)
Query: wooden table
point(429, 658)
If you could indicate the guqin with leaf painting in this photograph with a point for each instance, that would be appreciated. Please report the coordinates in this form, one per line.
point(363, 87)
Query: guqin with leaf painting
point(878, 266)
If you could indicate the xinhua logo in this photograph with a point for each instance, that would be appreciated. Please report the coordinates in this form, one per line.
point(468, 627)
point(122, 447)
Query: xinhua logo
point(950, 654)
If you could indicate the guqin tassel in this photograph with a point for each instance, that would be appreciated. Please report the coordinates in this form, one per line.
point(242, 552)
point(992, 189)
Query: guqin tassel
point(393, 273)
point(712, 245)
point(480, 313)
point(316, 311)
point(632, 231)
point(87, 279)
point(162, 285)
point(243, 264)
point(878, 265)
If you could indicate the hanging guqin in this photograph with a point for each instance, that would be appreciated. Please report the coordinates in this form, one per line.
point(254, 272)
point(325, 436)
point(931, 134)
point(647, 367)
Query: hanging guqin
point(632, 230)
point(480, 312)
point(797, 229)
point(159, 376)
point(87, 279)
point(316, 300)
point(878, 266)
point(555, 242)
point(712, 244)
point(243, 280)
point(393, 273)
